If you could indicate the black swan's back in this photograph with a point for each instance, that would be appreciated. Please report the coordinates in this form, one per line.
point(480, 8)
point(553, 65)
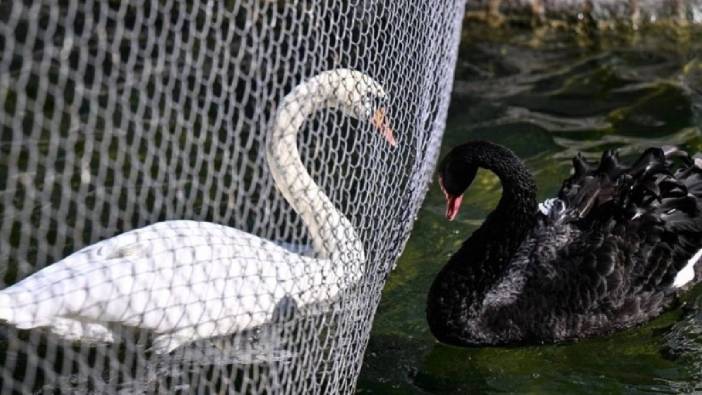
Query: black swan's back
point(653, 205)
point(611, 251)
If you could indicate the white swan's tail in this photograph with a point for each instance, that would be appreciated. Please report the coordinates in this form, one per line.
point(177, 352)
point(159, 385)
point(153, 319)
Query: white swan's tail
point(22, 318)
point(15, 310)
point(28, 318)
point(6, 312)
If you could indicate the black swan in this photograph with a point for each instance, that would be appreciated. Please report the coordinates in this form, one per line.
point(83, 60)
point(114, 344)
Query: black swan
point(611, 251)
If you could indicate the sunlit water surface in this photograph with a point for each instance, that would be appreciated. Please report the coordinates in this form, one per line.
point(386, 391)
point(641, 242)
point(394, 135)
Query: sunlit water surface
point(547, 95)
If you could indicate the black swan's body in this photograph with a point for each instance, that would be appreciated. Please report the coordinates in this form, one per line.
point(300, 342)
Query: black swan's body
point(610, 252)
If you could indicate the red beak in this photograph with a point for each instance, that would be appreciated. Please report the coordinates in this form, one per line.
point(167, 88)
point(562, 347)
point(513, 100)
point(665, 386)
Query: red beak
point(453, 203)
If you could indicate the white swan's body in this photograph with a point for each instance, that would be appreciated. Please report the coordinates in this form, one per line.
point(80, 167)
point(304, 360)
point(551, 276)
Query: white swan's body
point(186, 280)
point(183, 279)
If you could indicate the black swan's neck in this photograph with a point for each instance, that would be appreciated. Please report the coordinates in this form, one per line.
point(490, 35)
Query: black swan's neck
point(458, 292)
point(495, 242)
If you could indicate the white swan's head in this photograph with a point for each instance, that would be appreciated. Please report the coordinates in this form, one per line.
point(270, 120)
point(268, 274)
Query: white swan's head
point(358, 96)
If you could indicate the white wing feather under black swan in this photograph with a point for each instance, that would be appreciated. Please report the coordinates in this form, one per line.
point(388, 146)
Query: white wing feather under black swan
point(610, 252)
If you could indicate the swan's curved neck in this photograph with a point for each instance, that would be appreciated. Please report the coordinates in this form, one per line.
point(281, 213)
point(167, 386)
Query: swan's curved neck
point(500, 235)
point(330, 231)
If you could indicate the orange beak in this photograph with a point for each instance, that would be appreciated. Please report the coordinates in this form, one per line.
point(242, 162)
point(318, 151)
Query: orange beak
point(381, 123)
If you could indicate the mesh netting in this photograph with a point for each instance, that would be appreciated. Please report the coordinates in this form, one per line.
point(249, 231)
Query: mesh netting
point(118, 116)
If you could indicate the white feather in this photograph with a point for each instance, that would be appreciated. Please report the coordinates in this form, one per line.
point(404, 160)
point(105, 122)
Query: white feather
point(687, 273)
point(547, 205)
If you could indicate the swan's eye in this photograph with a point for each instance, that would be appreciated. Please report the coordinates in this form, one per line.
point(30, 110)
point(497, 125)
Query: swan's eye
point(370, 101)
point(373, 100)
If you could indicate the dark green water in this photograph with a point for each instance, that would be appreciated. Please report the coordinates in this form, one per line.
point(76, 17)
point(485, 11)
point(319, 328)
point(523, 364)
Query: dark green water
point(547, 95)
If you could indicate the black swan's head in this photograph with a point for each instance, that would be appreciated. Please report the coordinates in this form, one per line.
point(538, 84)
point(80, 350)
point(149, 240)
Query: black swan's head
point(455, 176)
point(458, 169)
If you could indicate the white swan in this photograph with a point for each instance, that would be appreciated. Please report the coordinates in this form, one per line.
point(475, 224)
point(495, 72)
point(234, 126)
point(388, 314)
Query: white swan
point(187, 280)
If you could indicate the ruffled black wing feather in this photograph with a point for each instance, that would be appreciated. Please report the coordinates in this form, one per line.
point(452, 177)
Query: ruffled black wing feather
point(662, 188)
point(607, 259)
point(650, 211)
